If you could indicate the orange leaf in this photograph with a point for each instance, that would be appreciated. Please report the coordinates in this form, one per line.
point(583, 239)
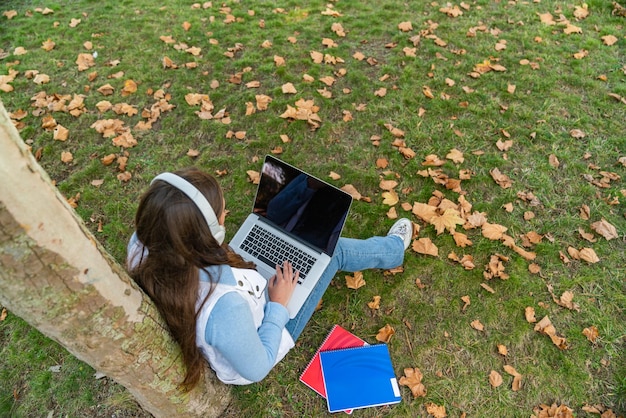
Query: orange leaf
point(413, 379)
point(385, 333)
point(425, 246)
point(356, 281)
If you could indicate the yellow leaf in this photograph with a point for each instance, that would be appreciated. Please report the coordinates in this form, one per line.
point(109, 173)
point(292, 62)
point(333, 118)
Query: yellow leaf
point(448, 220)
point(390, 198)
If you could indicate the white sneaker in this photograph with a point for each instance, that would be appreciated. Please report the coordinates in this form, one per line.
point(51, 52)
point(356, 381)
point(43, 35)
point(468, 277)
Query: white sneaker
point(404, 229)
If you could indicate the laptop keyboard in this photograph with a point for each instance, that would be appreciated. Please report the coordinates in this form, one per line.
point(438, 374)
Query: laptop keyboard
point(272, 250)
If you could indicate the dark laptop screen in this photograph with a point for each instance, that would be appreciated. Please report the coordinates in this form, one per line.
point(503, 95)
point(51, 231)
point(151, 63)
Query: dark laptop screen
point(306, 207)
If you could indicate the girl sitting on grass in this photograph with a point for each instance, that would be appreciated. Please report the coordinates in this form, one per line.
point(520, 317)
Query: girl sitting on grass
point(217, 306)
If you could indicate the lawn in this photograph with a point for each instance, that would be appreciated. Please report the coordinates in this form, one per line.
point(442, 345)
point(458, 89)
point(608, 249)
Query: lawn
point(497, 127)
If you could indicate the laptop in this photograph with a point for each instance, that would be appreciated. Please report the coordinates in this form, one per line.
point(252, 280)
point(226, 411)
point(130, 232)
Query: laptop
point(295, 217)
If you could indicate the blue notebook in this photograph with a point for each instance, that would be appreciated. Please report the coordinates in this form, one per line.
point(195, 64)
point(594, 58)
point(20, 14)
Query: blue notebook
point(359, 377)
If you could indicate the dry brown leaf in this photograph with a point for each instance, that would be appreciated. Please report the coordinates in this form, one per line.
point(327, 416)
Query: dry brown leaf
point(466, 301)
point(545, 327)
point(425, 246)
point(529, 314)
point(254, 176)
point(424, 211)
point(591, 333)
point(493, 231)
point(405, 26)
point(413, 379)
point(477, 325)
point(456, 156)
point(60, 133)
point(375, 303)
point(501, 179)
point(487, 288)
point(588, 255)
point(552, 411)
point(356, 281)
point(385, 333)
point(67, 157)
point(436, 411)
point(502, 350)
point(447, 221)
point(604, 228)
point(352, 191)
point(495, 379)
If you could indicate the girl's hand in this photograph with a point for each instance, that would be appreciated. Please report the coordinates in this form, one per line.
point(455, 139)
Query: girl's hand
point(281, 286)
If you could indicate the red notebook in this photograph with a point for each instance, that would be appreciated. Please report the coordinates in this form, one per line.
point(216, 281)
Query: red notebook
point(337, 338)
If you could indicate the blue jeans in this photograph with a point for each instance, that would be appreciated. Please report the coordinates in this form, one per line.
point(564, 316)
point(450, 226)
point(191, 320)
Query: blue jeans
point(350, 255)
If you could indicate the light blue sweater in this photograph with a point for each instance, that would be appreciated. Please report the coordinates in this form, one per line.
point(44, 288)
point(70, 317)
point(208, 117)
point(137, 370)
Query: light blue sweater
point(230, 330)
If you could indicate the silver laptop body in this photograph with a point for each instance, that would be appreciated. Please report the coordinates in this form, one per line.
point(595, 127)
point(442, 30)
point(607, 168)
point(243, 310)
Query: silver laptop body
point(296, 217)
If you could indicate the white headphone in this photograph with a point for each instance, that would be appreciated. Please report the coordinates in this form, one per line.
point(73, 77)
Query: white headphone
point(198, 198)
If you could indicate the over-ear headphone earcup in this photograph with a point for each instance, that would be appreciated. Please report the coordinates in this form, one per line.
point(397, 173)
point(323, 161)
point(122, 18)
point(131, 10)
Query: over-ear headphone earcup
point(218, 231)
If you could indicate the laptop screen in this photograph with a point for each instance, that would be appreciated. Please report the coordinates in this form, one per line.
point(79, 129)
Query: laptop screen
point(308, 208)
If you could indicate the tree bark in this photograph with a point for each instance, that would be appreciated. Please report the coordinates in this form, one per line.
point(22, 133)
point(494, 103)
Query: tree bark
point(56, 276)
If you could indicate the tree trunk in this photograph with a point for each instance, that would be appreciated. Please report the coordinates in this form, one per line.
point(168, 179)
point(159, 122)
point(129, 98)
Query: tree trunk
point(57, 277)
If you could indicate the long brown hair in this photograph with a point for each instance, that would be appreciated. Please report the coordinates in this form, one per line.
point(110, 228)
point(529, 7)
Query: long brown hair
point(179, 243)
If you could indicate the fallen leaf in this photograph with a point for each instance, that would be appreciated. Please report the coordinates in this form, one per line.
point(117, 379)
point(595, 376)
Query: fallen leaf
point(477, 325)
point(375, 303)
point(588, 255)
point(254, 176)
point(385, 333)
point(502, 350)
point(495, 379)
point(356, 281)
point(390, 198)
point(436, 411)
point(529, 314)
point(591, 333)
point(553, 411)
point(60, 133)
point(67, 157)
point(609, 40)
point(352, 191)
point(545, 327)
point(604, 228)
point(413, 379)
point(501, 179)
point(425, 246)
point(493, 231)
point(447, 221)
point(466, 301)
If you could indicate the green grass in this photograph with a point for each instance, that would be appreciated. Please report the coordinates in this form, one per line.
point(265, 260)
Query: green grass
point(433, 333)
